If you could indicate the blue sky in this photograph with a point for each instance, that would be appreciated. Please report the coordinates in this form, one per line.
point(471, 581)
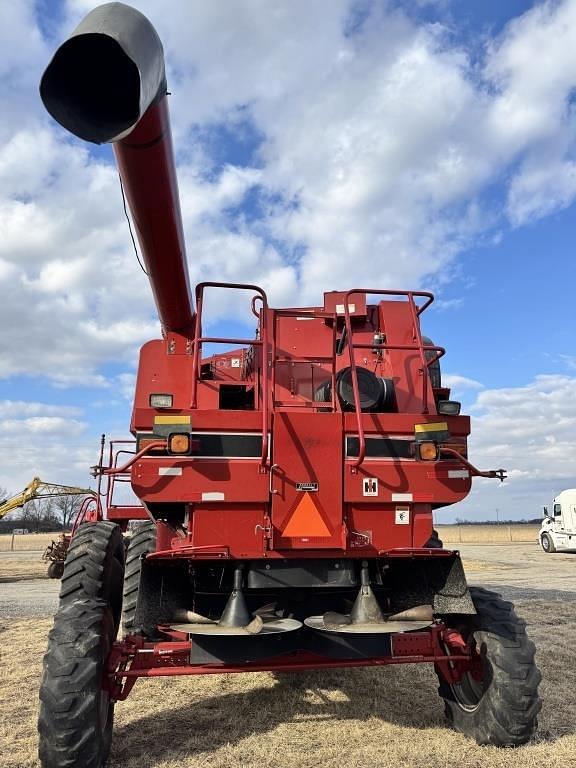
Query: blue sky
point(320, 145)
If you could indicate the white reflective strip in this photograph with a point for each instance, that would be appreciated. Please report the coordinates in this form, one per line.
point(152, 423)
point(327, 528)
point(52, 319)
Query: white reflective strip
point(402, 497)
point(213, 496)
point(458, 473)
point(175, 471)
point(340, 309)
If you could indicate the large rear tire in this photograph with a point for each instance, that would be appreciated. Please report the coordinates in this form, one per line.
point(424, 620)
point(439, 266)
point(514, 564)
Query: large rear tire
point(76, 712)
point(143, 542)
point(502, 708)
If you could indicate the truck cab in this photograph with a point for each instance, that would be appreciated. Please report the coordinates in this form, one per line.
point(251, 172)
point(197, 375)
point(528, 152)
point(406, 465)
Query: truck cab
point(558, 531)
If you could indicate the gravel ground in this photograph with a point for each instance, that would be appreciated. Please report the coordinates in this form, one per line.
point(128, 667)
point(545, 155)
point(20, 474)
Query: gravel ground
point(29, 597)
point(517, 571)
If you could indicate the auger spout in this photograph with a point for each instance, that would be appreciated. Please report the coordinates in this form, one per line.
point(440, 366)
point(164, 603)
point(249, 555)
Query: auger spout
point(107, 83)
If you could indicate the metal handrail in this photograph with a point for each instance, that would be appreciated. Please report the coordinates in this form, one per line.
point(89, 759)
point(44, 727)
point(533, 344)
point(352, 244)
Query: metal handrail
point(416, 311)
point(262, 342)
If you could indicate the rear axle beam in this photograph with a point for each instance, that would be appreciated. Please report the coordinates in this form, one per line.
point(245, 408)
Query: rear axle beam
point(133, 658)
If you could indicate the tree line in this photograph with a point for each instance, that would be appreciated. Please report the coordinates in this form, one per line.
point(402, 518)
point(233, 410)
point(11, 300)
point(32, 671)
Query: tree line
point(43, 514)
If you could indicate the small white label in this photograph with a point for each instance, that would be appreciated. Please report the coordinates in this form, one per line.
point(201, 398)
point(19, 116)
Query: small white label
point(174, 471)
point(213, 496)
point(370, 486)
point(402, 497)
point(235, 362)
point(402, 515)
point(340, 309)
point(463, 473)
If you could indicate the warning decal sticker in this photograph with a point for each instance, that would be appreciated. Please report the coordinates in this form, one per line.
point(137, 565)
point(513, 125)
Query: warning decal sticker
point(402, 516)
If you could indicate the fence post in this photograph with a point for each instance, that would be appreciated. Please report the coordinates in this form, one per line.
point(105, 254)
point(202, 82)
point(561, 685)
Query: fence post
point(12, 543)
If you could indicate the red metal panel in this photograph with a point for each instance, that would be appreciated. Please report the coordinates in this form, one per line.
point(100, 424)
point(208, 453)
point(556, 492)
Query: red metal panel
point(303, 336)
point(126, 513)
point(307, 450)
point(334, 302)
point(377, 528)
point(422, 528)
point(397, 323)
point(161, 372)
point(400, 480)
point(377, 524)
point(398, 423)
point(240, 527)
point(188, 479)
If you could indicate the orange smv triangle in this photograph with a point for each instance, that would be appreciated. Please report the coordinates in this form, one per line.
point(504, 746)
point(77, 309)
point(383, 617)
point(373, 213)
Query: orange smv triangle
point(306, 520)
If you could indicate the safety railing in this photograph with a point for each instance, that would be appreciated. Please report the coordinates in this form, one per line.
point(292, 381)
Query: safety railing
point(418, 346)
point(119, 473)
point(261, 341)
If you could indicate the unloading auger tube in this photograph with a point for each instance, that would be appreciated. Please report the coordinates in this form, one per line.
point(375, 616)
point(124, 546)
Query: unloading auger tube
point(107, 83)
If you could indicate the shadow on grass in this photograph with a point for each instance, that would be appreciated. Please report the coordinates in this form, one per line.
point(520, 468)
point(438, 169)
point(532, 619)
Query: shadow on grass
point(405, 697)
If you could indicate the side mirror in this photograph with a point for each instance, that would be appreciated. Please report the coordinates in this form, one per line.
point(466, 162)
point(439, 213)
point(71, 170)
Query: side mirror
point(545, 509)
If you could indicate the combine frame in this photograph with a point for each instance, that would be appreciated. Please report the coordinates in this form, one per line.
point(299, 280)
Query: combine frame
point(286, 487)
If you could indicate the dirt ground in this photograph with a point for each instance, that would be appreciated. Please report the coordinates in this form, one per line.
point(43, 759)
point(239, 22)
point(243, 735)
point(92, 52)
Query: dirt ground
point(358, 718)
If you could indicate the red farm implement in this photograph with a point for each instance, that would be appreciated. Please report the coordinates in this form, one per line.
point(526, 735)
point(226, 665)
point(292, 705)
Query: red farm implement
point(285, 488)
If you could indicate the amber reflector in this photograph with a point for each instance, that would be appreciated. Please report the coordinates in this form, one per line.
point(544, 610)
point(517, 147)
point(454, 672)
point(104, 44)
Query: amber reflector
point(179, 443)
point(428, 451)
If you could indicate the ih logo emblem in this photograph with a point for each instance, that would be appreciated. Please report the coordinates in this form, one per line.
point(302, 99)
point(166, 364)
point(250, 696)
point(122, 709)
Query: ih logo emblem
point(370, 486)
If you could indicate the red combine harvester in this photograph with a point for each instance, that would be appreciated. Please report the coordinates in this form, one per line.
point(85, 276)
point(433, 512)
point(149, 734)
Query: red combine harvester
point(286, 487)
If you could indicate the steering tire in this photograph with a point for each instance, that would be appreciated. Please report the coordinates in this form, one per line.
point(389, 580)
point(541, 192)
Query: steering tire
point(501, 708)
point(76, 711)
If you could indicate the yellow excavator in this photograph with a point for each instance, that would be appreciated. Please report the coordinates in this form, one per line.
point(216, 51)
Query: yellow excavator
point(56, 551)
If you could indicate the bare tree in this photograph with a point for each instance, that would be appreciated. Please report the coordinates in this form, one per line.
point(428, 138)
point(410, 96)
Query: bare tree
point(37, 513)
point(67, 507)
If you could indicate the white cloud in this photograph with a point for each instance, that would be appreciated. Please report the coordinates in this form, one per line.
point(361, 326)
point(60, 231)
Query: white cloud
point(541, 189)
point(459, 383)
point(42, 425)
point(376, 149)
point(529, 431)
point(25, 408)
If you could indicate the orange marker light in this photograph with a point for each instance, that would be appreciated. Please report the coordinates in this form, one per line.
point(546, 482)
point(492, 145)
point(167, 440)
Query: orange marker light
point(179, 443)
point(427, 451)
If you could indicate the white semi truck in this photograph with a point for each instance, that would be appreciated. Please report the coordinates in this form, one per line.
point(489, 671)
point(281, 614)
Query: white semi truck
point(558, 531)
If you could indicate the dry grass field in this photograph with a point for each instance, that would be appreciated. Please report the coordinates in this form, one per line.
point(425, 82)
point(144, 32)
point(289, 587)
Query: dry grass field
point(18, 568)
point(487, 534)
point(355, 718)
point(36, 541)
